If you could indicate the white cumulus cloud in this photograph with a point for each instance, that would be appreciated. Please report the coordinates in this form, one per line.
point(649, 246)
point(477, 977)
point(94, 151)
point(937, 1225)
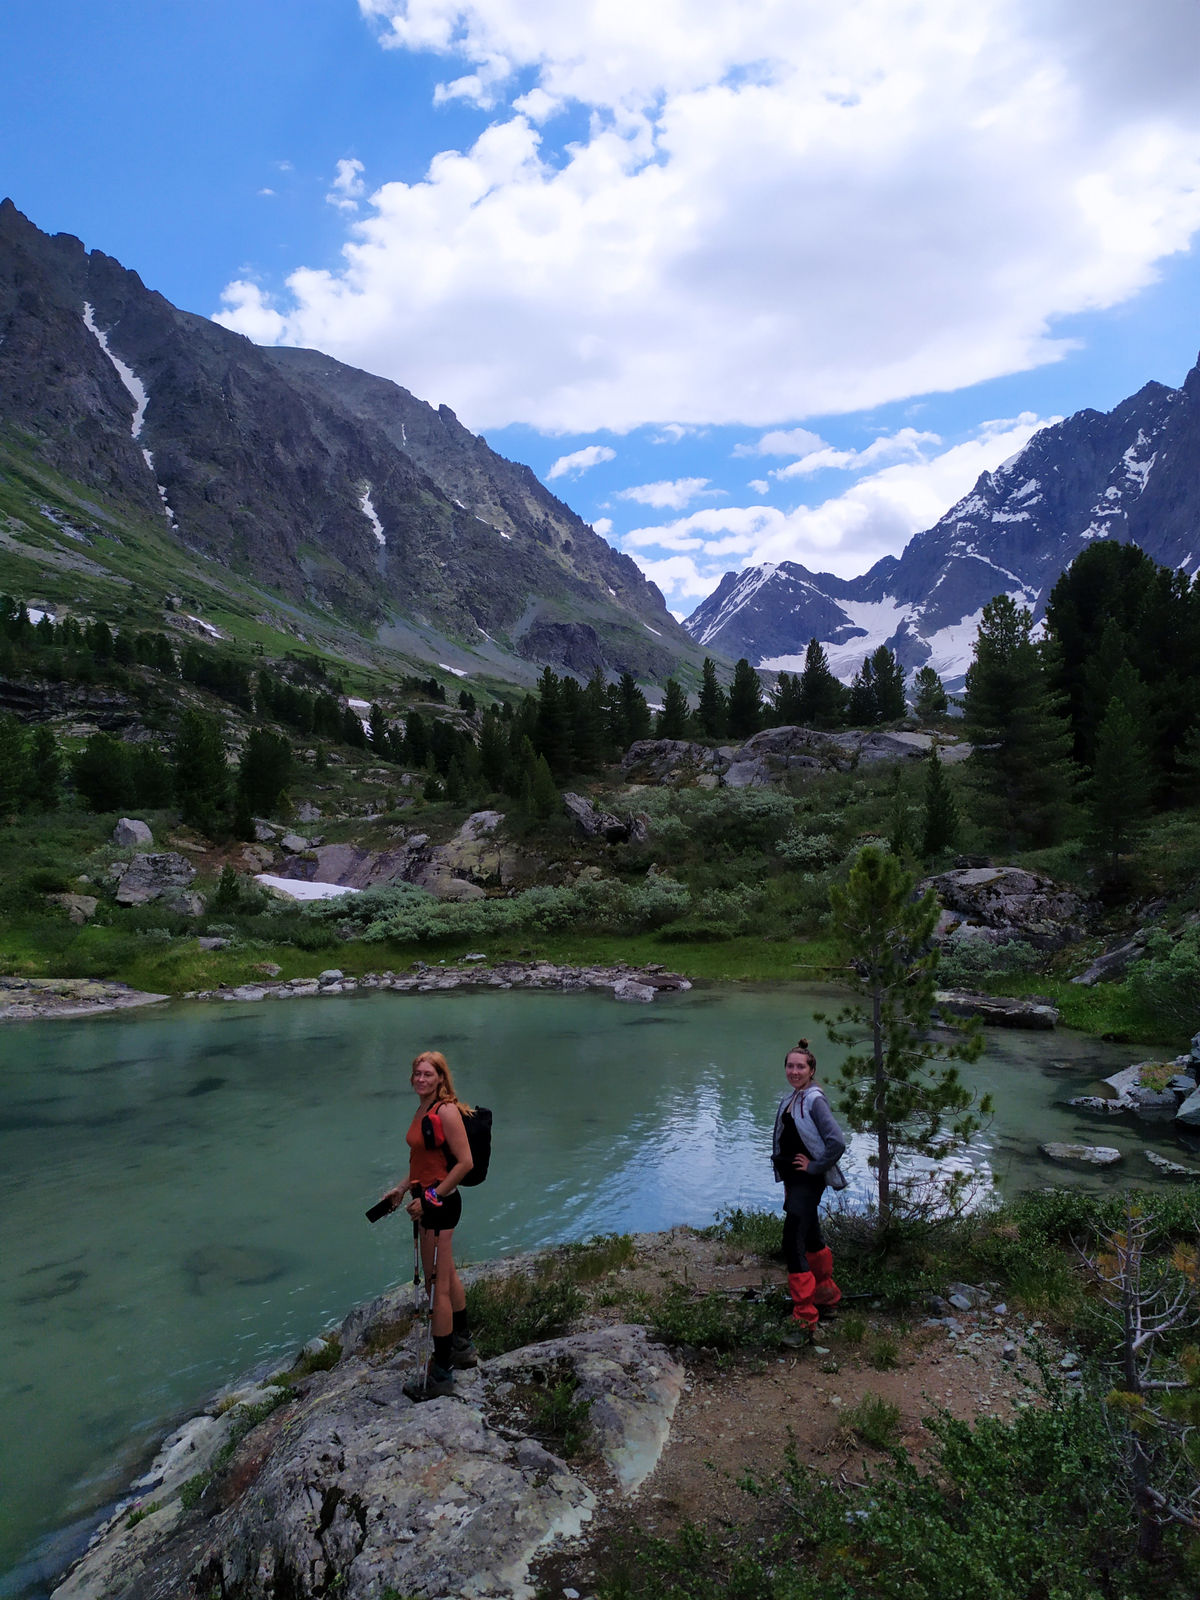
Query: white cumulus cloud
point(348, 186)
point(670, 496)
point(906, 443)
point(570, 466)
point(778, 209)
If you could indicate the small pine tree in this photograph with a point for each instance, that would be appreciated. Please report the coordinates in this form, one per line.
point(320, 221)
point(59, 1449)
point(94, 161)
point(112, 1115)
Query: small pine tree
point(888, 681)
point(44, 778)
point(673, 718)
point(264, 773)
point(929, 695)
point(822, 699)
point(892, 1089)
point(101, 774)
point(745, 701)
point(14, 767)
point(1118, 792)
point(1016, 724)
point(712, 709)
point(902, 840)
point(377, 736)
point(544, 798)
point(863, 709)
point(201, 775)
point(787, 704)
point(941, 812)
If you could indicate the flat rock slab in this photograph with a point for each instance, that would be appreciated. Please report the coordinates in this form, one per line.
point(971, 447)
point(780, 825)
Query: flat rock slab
point(354, 1490)
point(997, 1011)
point(1173, 1169)
point(28, 999)
point(1084, 1155)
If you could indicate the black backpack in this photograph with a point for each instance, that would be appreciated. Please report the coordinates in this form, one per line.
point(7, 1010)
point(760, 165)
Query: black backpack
point(477, 1125)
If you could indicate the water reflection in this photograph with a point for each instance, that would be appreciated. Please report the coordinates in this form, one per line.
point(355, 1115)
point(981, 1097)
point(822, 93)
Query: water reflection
point(181, 1191)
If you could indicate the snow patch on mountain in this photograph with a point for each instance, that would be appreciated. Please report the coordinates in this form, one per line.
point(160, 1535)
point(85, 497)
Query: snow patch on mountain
point(366, 506)
point(752, 580)
point(138, 393)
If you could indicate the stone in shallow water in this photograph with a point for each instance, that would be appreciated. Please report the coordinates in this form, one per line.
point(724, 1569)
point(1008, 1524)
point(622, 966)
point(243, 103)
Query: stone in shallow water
point(1088, 1155)
point(222, 1266)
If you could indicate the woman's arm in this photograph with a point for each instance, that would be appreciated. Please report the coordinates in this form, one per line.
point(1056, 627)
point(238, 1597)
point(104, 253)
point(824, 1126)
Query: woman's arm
point(458, 1147)
point(831, 1133)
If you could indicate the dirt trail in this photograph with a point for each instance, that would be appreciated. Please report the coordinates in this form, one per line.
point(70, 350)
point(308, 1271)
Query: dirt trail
point(741, 1415)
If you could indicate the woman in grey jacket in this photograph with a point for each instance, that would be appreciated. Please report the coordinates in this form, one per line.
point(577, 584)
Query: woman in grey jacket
point(806, 1146)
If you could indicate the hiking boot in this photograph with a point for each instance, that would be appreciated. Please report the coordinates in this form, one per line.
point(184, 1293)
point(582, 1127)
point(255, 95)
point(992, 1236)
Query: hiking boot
point(435, 1382)
point(463, 1352)
point(798, 1337)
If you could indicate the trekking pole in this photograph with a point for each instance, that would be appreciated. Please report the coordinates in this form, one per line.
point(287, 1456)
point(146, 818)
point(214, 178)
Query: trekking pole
point(421, 1305)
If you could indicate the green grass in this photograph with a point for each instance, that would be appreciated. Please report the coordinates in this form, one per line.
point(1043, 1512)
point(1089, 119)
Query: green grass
point(522, 1308)
point(874, 1420)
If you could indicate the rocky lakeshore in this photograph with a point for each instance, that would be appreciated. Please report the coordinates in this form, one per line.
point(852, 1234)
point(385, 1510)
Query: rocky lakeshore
point(638, 984)
point(31, 999)
point(324, 1478)
point(27, 999)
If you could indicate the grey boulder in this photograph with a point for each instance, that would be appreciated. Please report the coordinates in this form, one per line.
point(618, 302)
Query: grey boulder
point(153, 876)
point(130, 831)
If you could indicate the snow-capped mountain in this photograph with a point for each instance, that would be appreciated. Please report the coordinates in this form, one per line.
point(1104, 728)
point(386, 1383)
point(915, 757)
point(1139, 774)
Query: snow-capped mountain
point(1131, 474)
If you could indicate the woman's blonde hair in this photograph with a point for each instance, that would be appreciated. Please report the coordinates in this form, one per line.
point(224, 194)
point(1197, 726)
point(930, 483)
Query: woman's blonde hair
point(802, 1048)
point(445, 1089)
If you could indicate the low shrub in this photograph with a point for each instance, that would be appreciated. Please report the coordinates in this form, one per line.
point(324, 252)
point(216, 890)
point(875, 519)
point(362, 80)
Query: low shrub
point(522, 1308)
point(1167, 980)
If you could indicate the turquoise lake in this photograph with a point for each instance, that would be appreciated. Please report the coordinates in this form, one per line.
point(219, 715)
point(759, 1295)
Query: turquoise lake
point(182, 1189)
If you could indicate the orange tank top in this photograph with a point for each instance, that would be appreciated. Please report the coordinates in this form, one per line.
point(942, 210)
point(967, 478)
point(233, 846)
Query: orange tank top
point(426, 1167)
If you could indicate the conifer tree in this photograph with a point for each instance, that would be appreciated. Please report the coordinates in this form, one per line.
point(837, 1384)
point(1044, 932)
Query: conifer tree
point(378, 737)
point(1019, 764)
point(14, 770)
point(786, 701)
point(712, 709)
point(264, 773)
point(745, 701)
point(941, 812)
point(888, 682)
point(673, 718)
point(892, 1088)
point(902, 841)
point(44, 769)
point(863, 709)
point(822, 698)
point(593, 746)
point(493, 749)
point(544, 797)
point(930, 699)
point(1118, 792)
point(201, 775)
point(100, 773)
point(552, 735)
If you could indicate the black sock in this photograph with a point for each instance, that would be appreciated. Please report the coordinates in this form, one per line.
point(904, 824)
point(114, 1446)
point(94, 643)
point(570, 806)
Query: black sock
point(441, 1351)
point(461, 1326)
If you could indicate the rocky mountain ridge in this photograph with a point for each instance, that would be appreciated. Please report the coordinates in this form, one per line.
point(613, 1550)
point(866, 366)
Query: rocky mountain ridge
point(1131, 474)
point(337, 491)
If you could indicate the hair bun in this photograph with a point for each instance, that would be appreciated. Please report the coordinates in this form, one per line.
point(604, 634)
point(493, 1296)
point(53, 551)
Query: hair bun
point(802, 1044)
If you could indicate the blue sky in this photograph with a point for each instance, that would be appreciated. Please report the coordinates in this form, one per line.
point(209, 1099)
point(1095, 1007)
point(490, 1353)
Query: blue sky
point(743, 281)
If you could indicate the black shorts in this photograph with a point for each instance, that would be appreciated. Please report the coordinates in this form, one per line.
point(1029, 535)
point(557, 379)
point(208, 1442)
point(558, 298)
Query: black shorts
point(441, 1219)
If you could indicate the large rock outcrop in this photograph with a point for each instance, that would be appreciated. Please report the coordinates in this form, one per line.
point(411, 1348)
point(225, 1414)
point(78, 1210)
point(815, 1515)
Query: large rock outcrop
point(353, 1489)
point(769, 756)
point(998, 904)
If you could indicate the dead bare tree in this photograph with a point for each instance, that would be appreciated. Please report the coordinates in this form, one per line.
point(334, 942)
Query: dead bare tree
point(1153, 1412)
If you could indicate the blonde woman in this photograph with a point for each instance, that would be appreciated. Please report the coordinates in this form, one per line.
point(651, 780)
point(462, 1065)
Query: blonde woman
point(439, 1158)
